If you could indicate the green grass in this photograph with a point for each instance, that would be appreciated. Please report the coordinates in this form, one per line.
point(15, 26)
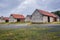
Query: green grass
point(13, 23)
point(3, 23)
point(16, 23)
point(33, 33)
point(29, 23)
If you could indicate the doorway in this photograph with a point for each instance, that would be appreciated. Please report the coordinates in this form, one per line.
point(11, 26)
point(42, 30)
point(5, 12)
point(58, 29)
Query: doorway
point(48, 19)
point(18, 20)
point(7, 21)
point(55, 19)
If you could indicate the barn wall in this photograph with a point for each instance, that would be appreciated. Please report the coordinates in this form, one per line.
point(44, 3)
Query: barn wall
point(27, 19)
point(12, 19)
point(45, 18)
point(37, 17)
point(2, 20)
point(58, 19)
point(51, 19)
point(22, 20)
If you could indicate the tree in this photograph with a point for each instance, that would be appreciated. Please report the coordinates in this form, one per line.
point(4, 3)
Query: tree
point(57, 13)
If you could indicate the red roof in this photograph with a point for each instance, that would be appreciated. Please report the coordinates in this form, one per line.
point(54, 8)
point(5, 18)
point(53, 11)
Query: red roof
point(47, 13)
point(17, 16)
point(6, 18)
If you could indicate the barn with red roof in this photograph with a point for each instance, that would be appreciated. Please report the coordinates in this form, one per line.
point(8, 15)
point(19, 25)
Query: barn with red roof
point(16, 18)
point(43, 16)
point(4, 19)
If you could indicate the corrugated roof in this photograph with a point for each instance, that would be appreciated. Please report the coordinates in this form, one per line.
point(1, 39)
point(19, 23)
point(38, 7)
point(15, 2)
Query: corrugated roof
point(17, 16)
point(5, 18)
point(47, 13)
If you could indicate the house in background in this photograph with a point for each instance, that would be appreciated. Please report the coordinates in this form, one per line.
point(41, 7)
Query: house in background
point(43, 16)
point(16, 18)
point(1, 19)
point(4, 19)
point(28, 18)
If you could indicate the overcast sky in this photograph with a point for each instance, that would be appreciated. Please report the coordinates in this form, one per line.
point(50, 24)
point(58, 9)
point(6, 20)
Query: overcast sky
point(26, 7)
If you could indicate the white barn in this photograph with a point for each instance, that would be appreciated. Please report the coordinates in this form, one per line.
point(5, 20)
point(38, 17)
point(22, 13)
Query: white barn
point(16, 18)
point(28, 18)
point(39, 16)
point(4, 19)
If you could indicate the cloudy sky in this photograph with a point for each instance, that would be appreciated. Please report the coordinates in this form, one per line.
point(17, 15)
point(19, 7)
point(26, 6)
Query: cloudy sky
point(25, 7)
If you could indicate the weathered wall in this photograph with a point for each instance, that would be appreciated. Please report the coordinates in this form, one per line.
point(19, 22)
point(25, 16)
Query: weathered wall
point(51, 19)
point(58, 19)
point(27, 19)
point(12, 19)
point(2, 20)
point(45, 18)
point(37, 17)
point(22, 20)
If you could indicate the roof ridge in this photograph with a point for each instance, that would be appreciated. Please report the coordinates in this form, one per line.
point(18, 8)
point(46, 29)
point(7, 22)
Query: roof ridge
point(46, 13)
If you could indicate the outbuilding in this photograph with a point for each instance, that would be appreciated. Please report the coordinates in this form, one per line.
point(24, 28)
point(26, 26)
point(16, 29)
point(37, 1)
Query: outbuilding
point(28, 18)
point(16, 18)
point(4, 19)
point(39, 16)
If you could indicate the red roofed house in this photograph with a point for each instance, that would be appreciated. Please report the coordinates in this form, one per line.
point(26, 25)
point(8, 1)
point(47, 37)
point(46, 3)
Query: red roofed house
point(4, 19)
point(16, 18)
point(43, 16)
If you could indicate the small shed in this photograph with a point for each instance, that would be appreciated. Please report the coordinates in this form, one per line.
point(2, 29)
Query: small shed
point(6, 19)
point(28, 18)
point(16, 18)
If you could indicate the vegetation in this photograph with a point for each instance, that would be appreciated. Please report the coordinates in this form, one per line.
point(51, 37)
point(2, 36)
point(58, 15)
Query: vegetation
point(3, 23)
point(33, 33)
point(12, 23)
point(57, 12)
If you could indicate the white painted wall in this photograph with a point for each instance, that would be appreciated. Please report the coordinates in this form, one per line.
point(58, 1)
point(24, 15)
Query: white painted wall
point(12, 19)
point(27, 19)
point(51, 19)
point(45, 19)
point(2, 20)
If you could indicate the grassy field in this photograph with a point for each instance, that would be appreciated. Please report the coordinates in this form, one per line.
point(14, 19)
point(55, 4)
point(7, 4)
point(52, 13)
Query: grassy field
point(34, 33)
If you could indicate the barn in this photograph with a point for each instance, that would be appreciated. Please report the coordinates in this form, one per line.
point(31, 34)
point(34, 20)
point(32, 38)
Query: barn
point(4, 19)
point(39, 16)
point(1, 19)
point(16, 18)
point(28, 18)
